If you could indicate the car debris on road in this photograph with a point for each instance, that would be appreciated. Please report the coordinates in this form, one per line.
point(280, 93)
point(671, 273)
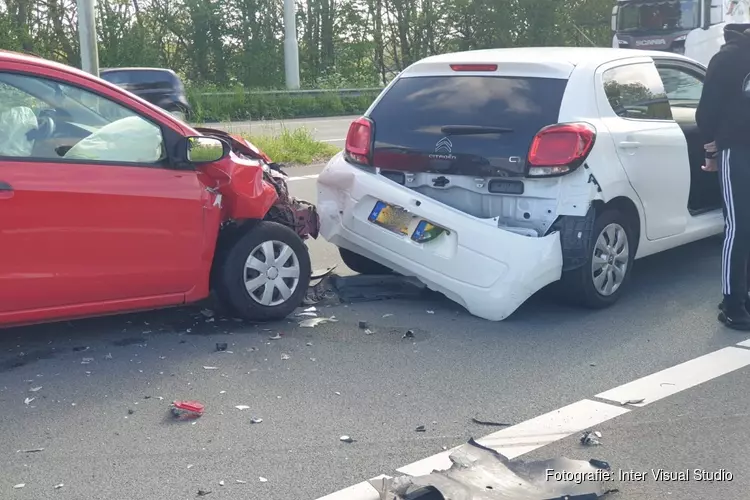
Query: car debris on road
point(480, 473)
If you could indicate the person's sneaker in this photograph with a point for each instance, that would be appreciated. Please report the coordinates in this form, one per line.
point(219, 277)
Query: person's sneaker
point(737, 320)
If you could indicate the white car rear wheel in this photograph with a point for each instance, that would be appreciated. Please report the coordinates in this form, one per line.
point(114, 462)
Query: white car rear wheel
point(600, 281)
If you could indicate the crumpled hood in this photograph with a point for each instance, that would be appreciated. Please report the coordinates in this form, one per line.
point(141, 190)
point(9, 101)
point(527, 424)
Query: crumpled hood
point(735, 34)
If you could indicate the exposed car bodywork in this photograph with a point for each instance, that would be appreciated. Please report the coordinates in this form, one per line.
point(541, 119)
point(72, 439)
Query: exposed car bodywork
point(277, 204)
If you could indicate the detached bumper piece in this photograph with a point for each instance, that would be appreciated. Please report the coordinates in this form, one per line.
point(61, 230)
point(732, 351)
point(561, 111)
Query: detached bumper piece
point(299, 215)
point(480, 473)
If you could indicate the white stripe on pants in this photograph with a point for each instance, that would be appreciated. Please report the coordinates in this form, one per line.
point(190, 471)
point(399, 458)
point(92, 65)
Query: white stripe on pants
point(729, 222)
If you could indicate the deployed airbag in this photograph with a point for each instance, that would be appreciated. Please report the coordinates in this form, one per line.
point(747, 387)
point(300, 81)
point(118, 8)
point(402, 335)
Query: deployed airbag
point(128, 140)
point(15, 123)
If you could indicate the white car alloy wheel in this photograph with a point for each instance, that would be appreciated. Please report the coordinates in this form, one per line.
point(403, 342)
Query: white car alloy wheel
point(272, 273)
point(609, 263)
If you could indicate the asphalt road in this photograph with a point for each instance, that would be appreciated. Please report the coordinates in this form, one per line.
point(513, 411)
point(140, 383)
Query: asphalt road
point(377, 389)
point(332, 130)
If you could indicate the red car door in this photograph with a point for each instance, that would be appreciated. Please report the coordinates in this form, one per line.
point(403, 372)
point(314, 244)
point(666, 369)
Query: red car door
point(92, 213)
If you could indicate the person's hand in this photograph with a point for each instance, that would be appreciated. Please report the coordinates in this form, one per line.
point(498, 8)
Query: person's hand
point(710, 147)
point(712, 165)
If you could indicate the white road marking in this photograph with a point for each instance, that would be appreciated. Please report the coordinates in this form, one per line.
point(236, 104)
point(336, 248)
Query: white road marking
point(680, 377)
point(360, 491)
point(303, 177)
point(558, 424)
point(532, 434)
point(333, 140)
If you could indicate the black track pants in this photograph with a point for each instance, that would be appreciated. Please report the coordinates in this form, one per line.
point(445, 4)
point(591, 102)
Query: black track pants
point(734, 172)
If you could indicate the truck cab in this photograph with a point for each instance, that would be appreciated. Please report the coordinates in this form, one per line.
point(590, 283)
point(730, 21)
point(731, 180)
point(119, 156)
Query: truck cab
point(694, 28)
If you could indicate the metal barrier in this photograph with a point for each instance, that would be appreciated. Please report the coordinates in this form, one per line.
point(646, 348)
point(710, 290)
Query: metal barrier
point(301, 93)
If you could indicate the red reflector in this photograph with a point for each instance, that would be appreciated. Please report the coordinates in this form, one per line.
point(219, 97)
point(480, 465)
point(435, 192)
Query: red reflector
point(562, 145)
point(358, 141)
point(474, 67)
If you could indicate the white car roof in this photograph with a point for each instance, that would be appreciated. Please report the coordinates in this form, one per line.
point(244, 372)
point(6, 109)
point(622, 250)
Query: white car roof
point(532, 61)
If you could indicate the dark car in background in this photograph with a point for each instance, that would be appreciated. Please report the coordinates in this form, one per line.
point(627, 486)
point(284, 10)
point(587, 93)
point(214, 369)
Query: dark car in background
point(158, 86)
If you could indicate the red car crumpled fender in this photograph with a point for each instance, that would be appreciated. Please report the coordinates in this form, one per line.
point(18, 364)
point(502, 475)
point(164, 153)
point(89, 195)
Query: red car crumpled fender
point(255, 187)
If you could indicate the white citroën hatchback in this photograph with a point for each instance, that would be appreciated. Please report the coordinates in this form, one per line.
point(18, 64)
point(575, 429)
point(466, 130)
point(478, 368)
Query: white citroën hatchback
point(490, 174)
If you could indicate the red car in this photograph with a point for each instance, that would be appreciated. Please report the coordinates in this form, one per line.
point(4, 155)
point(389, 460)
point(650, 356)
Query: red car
point(109, 204)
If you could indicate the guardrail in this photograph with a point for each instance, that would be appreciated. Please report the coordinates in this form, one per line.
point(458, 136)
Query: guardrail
point(300, 93)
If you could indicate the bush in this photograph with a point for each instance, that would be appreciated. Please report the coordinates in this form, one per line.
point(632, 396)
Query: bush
point(296, 147)
point(238, 105)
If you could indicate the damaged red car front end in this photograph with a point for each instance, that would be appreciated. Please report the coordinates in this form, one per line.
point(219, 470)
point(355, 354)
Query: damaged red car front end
point(254, 187)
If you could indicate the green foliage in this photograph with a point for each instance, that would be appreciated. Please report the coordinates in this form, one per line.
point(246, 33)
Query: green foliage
point(296, 147)
point(210, 105)
point(237, 45)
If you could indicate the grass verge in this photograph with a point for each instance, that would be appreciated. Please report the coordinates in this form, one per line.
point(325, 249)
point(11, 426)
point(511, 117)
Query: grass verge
point(294, 147)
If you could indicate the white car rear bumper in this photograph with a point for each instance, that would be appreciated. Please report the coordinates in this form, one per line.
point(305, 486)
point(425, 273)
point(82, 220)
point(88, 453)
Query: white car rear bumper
point(489, 271)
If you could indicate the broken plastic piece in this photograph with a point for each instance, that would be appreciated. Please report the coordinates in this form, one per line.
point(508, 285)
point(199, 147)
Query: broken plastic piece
point(263, 479)
point(634, 401)
point(408, 335)
point(28, 400)
point(421, 428)
point(322, 273)
point(284, 357)
point(203, 493)
point(207, 313)
point(275, 337)
point(210, 368)
point(35, 389)
point(187, 409)
point(58, 486)
point(33, 450)
point(242, 407)
point(19, 486)
point(363, 325)
point(487, 422)
point(480, 473)
point(221, 346)
point(313, 322)
point(590, 438)
point(256, 420)
point(361, 288)
point(346, 439)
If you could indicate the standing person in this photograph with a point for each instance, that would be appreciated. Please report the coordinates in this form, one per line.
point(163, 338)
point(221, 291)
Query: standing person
point(723, 116)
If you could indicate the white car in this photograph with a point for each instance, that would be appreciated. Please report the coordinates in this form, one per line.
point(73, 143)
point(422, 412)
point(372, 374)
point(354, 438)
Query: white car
point(490, 174)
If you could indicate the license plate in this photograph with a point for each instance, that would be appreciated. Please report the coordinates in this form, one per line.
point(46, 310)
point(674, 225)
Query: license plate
point(398, 220)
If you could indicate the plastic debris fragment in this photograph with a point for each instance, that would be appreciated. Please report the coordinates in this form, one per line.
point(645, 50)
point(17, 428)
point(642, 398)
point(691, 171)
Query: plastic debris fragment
point(313, 322)
point(187, 409)
point(242, 407)
point(634, 401)
point(346, 439)
point(590, 438)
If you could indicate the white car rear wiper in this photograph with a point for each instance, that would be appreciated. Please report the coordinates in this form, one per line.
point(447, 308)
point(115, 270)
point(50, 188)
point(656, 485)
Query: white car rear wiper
point(473, 130)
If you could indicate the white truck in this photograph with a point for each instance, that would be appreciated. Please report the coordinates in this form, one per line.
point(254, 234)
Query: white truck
point(694, 28)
